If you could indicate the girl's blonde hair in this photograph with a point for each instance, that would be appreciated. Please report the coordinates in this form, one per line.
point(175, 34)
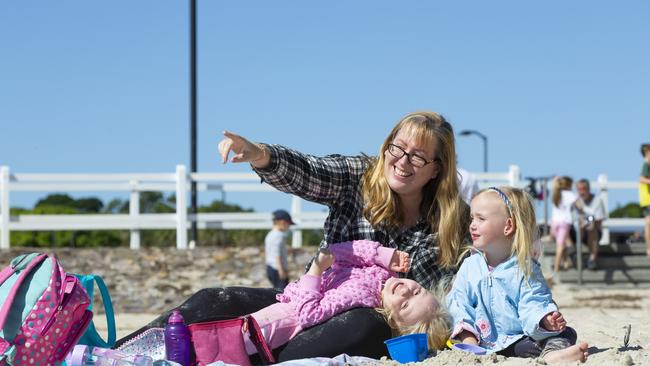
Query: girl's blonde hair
point(441, 203)
point(437, 327)
point(560, 184)
point(518, 205)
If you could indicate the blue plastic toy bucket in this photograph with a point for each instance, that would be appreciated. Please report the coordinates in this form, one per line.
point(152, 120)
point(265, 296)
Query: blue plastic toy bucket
point(408, 348)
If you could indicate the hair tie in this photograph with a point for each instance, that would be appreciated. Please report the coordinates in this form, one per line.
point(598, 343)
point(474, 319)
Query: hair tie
point(503, 197)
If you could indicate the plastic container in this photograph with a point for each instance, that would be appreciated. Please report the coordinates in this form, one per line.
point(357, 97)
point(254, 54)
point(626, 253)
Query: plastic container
point(408, 348)
point(83, 355)
point(177, 340)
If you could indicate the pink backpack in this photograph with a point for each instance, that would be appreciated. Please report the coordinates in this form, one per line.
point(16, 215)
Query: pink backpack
point(43, 311)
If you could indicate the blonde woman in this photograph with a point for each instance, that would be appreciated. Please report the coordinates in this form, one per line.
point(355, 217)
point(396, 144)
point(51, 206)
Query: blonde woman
point(406, 198)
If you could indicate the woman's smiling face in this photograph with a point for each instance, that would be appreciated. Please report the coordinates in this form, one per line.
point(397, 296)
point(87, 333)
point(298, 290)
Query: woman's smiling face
point(404, 178)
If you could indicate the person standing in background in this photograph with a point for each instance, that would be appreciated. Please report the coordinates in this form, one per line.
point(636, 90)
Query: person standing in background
point(644, 192)
point(275, 249)
point(592, 210)
point(563, 199)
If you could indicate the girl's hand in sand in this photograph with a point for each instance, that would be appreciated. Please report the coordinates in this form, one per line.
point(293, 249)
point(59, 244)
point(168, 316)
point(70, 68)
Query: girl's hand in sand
point(243, 150)
point(400, 262)
point(554, 322)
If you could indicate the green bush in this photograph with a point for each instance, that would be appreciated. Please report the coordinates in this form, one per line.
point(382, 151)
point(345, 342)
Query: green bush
point(630, 210)
point(150, 202)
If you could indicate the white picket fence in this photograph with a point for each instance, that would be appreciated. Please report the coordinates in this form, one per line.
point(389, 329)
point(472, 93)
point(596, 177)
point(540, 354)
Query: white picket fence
point(180, 182)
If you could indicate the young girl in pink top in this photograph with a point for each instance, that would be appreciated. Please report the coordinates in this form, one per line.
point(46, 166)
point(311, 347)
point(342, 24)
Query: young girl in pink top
point(354, 274)
point(561, 219)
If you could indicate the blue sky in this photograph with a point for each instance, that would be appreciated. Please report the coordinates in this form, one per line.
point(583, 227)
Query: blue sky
point(559, 87)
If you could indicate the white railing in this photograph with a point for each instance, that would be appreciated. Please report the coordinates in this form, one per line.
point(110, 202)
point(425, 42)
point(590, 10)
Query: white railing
point(135, 221)
point(178, 182)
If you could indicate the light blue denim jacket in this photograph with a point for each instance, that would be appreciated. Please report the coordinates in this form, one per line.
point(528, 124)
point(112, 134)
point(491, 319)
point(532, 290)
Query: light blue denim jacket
point(500, 306)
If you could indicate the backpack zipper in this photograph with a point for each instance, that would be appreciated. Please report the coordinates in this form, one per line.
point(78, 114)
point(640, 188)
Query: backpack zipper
point(67, 294)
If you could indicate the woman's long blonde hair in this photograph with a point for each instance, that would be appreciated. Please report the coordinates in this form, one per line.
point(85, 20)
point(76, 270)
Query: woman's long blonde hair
point(524, 222)
point(441, 203)
point(560, 184)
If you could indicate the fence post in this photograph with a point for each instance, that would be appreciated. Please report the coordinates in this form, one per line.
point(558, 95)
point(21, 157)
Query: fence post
point(134, 213)
point(546, 190)
point(4, 208)
point(181, 207)
point(296, 209)
point(513, 175)
point(575, 222)
point(604, 194)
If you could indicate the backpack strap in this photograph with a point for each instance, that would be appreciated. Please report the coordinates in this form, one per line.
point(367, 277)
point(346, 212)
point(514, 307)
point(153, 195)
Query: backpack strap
point(17, 264)
point(4, 312)
point(263, 349)
point(91, 336)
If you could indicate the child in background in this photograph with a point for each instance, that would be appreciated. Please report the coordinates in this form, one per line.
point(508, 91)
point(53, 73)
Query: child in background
point(499, 299)
point(354, 274)
point(561, 219)
point(644, 192)
point(275, 250)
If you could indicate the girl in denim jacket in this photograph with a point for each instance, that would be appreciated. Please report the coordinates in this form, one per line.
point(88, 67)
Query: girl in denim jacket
point(499, 299)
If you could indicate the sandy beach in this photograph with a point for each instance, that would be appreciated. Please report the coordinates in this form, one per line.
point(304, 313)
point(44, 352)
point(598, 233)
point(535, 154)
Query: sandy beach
point(599, 315)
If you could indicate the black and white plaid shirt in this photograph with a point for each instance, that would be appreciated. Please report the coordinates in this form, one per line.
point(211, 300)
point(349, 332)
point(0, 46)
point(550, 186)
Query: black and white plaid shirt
point(335, 181)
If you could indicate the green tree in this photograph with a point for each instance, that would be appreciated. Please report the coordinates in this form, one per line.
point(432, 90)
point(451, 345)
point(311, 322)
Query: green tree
point(63, 204)
point(155, 202)
point(631, 209)
point(221, 237)
point(89, 205)
point(53, 238)
point(116, 206)
point(56, 199)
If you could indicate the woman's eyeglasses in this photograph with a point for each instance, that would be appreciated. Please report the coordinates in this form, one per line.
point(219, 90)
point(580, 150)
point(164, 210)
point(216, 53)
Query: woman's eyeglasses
point(414, 159)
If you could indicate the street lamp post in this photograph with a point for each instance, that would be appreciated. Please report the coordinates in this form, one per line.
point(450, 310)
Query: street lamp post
point(193, 160)
point(485, 151)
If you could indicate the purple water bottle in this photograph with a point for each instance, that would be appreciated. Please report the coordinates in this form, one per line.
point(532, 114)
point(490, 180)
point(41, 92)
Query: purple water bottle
point(177, 340)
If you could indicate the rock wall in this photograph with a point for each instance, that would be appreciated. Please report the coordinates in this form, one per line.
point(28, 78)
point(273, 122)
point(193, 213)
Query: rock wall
point(155, 279)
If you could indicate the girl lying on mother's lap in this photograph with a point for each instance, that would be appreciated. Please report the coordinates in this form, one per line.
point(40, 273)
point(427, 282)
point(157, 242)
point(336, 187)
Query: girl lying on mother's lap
point(499, 299)
point(360, 273)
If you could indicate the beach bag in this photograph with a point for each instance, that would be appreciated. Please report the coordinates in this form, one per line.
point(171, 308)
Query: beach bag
point(43, 311)
point(222, 341)
point(91, 337)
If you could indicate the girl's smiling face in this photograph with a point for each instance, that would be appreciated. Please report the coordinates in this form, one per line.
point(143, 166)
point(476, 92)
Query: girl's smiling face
point(407, 301)
point(491, 226)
